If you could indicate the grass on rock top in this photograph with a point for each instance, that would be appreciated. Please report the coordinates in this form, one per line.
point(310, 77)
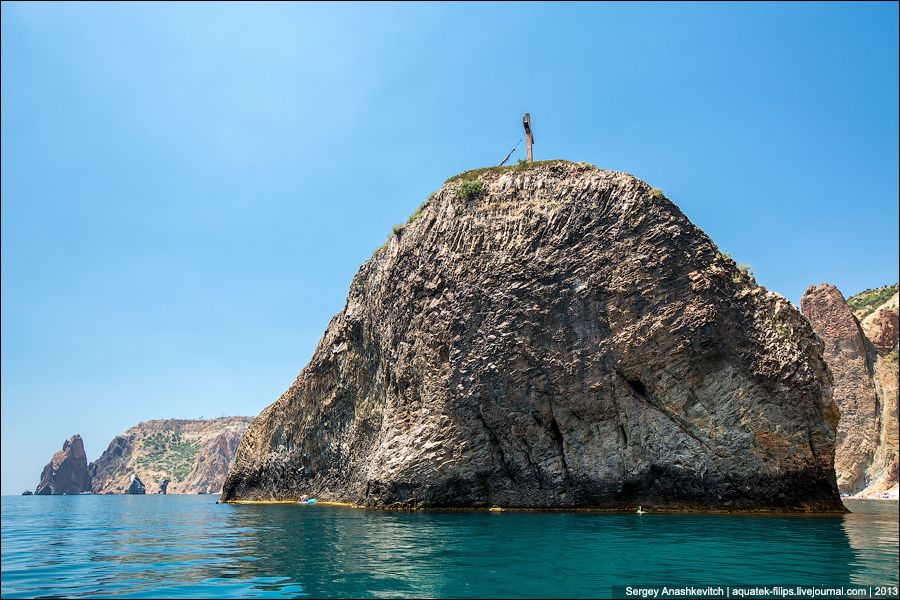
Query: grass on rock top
point(476, 173)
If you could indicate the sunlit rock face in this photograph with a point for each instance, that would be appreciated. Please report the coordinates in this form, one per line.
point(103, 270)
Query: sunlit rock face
point(865, 387)
point(564, 337)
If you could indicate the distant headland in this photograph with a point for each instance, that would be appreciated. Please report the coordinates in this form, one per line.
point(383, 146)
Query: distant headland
point(174, 456)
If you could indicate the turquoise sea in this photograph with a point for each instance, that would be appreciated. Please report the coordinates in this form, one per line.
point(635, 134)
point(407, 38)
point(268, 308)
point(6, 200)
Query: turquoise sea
point(189, 546)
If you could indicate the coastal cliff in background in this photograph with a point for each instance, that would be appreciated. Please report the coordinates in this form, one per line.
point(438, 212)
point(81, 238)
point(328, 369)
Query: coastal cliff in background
point(67, 472)
point(193, 455)
point(553, 335)
point(863, 360)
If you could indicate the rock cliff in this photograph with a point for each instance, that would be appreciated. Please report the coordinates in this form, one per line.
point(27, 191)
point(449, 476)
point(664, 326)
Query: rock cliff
point(67, 471)
point(561, 336)
point(193, 455)
point(863, 360)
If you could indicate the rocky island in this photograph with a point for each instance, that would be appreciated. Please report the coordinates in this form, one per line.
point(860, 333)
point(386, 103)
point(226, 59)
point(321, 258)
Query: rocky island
point(552, 336)
point(66, 473)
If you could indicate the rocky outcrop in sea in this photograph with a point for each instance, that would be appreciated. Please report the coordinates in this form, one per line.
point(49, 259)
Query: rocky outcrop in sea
point(863, 360)
point(67, 471)
point(135, 485)
point(559, 336)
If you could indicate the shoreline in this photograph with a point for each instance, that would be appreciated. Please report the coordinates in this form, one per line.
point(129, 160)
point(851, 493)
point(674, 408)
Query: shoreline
point(630, 510)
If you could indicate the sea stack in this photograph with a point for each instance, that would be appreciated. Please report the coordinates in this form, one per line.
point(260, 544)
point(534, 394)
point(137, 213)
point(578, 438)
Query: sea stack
point(552, 336)
point(67, 471)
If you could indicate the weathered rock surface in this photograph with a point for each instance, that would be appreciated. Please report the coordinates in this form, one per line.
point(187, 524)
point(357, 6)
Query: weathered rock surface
point(193, 455)
point(163, 486)
point(67, 471)
point(865, 388)
point(882, 327)
point(566, 338)
point(135, 485)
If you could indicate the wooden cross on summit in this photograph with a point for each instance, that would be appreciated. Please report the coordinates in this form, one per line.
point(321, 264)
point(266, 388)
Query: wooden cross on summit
point(529, 137)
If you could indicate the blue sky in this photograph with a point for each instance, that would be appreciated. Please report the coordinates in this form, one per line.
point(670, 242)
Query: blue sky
point(188, 189)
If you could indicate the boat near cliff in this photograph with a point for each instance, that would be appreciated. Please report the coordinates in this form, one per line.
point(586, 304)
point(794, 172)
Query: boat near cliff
point(553, 336)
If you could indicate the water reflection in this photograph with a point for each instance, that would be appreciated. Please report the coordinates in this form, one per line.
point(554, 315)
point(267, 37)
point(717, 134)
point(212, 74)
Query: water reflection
point(872, 530)
point(187, 546)
point(347, 552)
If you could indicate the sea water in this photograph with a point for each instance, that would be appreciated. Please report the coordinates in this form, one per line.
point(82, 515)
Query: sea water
point(189, 546)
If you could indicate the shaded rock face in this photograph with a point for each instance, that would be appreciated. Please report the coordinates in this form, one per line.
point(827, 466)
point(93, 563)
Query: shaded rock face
point(67, 471)
point(213, 461)
point(28, 493)
point(136, 486)
point(865, 388)
point(566, 338)
point(190, 454)
point(114, 460)
point(163, 486)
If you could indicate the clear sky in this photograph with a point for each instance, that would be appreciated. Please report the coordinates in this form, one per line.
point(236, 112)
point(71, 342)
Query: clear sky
point(188, 189)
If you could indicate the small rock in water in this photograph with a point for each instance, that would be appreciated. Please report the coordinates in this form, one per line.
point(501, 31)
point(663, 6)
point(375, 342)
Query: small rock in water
point(136, 486)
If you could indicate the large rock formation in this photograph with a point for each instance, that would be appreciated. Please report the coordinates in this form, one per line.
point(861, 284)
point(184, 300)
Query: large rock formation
point(193, 455)
point(67, 471)
point(866, 390)
point(564, 337)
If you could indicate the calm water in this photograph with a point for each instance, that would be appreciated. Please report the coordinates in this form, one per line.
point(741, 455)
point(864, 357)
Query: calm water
point(187, 546)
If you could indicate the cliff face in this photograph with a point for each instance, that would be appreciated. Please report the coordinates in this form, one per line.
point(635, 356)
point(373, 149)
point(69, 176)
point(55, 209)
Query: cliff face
point(866, 386)
point(193, 455)
point(67, 471)
point(564, 338)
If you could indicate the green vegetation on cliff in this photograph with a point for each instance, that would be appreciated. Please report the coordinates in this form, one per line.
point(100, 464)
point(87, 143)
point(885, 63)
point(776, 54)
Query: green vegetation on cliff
point(168, 453)
point(865, 303)
point(476, 173)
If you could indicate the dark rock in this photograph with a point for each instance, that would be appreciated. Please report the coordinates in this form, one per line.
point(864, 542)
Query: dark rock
point(28, 493)
point(67, 471)
point(136, 486)
point(163, 486)
point(565, 338)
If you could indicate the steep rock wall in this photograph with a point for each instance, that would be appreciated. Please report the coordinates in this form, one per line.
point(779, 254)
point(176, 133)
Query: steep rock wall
point(865, 390)
point(67, 471)
point(565, 338)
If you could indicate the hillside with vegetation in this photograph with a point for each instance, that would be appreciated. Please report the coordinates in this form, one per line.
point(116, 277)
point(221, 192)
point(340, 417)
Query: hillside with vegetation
point(192, 455)
point(867, 302)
